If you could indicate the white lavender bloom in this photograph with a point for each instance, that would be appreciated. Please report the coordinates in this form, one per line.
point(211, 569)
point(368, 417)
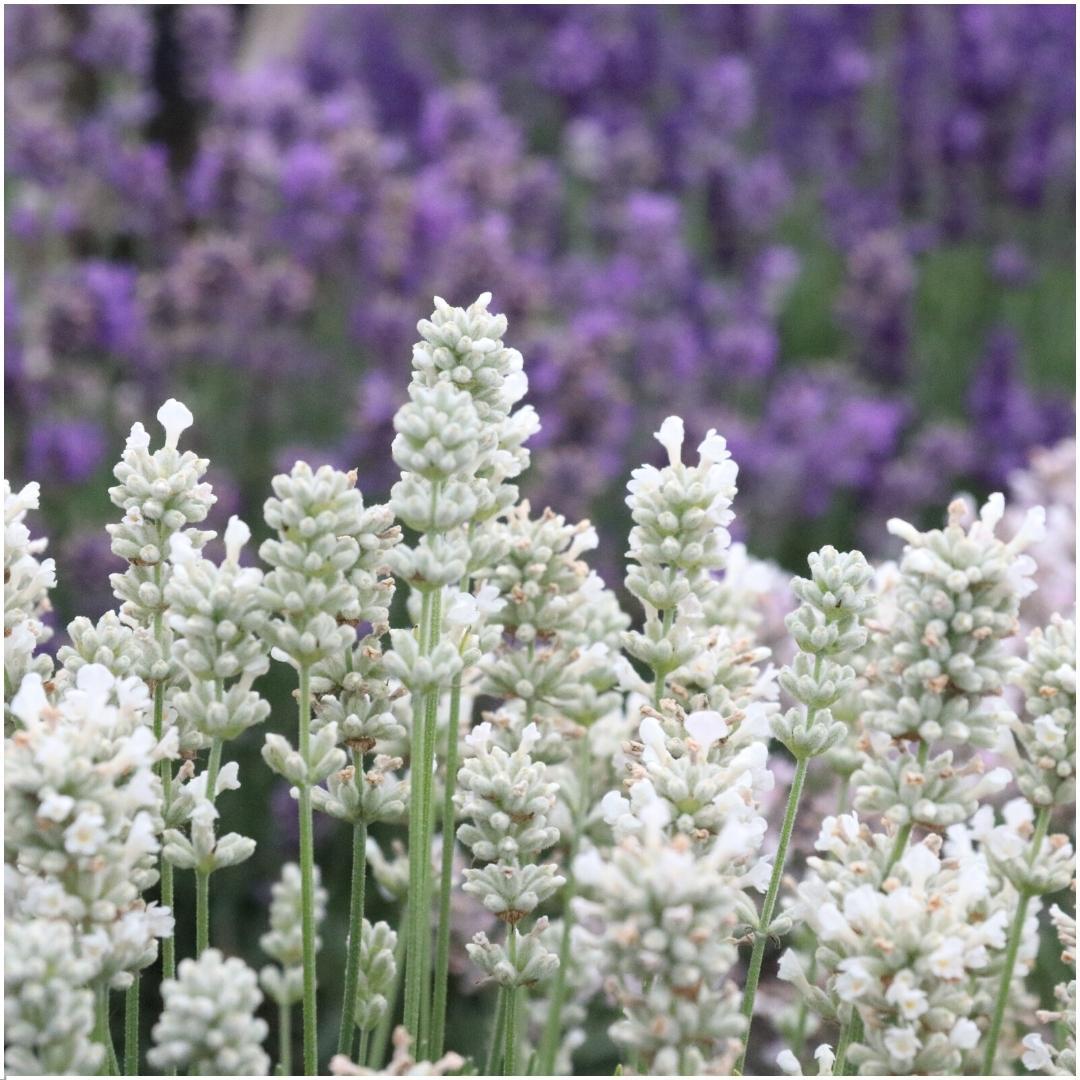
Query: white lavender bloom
point(365, 796)
point(27, 580)
point(913, 952)
point(283, 942)
point(162, 495)
point(375, 974)
point(506, 799)
point(681, 513)
point(83, 812)
point(48, 1010)
point(1045, 740)
point(828, 628)
point(941, 667)
point(663, 918)
point(317, 516)
point(957, 599)
point(123, 649)
point(550, 659)
point(215, 611)
point(208, 1025)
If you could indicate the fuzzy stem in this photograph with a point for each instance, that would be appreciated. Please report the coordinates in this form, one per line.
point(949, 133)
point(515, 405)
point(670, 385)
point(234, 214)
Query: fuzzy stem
point(356, 917)
point(102, 1030)
point(753, 972)
point(1012, 948)
point(365, 1038)
point(284, 1039)
point(417, 925)
point(202, 877)
point(377, 1050)
point(850, 1033)
point(549, 1041)
point(131, 1028)
point(661, 674)
point(442, 949)
point(307, 880)
point(495, 1047)
point(510, 1053)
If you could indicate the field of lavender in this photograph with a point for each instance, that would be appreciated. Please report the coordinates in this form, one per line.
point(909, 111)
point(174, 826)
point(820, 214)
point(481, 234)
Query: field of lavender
point(430, 778)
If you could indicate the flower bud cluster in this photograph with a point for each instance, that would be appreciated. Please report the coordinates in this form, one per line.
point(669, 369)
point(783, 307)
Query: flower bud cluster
point(458, 439)
point(27, 581)
point(912, 950)
point(662, 919)
point(48, 1009)
point(940, 668)
point(284, 982)
point(162, 495)
point(208, 1025)
point(548, 658)
point(506, 800)
point(123, 649)
point(827, 627)
point(83, 814)
point(956, 601)
point(375, 974)
point(704, 780)
point(680, 536)
point(1045, 757)
point(317, 516)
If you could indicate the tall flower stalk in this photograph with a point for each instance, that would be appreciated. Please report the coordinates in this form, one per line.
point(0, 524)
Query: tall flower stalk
point(313, 605)
point(827, 628)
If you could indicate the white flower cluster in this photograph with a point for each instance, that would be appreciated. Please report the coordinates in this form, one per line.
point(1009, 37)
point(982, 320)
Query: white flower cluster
point(942, 666)
point(376, 973)
point(1038, 1055)
point(162, 496)
point(208, 1025)
point(662, 922)
point(909, 951)
point(1044, 755)
point(83, 814)
point(27, 581)
point(681, 513)
point(827, 627)
point(48, 1007)
point(402, 1063)
point(506, 800)
point(284, 982)
point(218, 619)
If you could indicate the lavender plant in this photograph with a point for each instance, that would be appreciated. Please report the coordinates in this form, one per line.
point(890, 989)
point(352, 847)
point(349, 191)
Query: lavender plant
point(589, 795)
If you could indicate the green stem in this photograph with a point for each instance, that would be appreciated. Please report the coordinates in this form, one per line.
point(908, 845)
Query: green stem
point(365, 1038)
point(851, 1032)
point(842, 795)
point(1012, 948)
point(202, 877)
point(902, 837)
point(131, 1028)
point(549, 1041)
point(307, 881)
point(284, 1039)
point(442, 947)
point(661, 674)
point(804, 1014)
point(497, 1035)
point(377, 1051)
point(356, 918)
point(411, 1016)
point(510, 1052)
point(753, 973)
point(102, 1031)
